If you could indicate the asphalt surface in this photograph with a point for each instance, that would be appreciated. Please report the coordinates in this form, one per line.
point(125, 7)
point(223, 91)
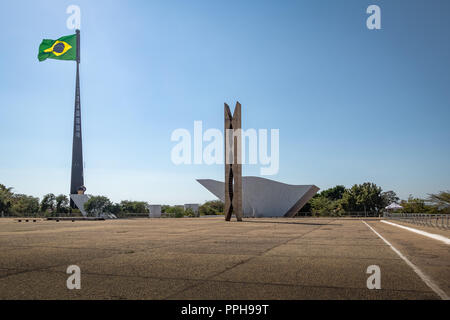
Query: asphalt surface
point(207, 258)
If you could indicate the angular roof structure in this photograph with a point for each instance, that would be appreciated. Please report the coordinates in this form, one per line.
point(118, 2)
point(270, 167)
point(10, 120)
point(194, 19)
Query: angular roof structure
point(266, 198)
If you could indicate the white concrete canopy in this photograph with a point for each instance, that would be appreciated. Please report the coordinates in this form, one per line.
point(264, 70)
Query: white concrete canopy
point(266, 198)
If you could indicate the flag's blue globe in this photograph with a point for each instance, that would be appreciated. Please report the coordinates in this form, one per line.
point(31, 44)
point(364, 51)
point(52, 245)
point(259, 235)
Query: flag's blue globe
point(59, 48)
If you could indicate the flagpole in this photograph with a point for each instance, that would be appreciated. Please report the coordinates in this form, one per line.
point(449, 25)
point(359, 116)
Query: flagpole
point(77, 177)
point(78, 47)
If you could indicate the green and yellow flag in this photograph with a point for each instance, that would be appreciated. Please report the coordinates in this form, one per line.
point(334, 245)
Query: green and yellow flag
point(65, 48)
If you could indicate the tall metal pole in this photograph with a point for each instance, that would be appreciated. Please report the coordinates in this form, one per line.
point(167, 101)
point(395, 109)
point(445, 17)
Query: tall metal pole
point(77, 179)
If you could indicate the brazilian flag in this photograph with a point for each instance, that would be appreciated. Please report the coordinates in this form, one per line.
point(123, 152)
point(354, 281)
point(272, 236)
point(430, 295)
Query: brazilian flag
point(65, 48)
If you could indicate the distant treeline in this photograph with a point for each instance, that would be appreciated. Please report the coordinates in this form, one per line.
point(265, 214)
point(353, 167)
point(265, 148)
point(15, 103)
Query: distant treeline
point(365, 198)
point(17, 205)
point(368, 198)
point(14, 204)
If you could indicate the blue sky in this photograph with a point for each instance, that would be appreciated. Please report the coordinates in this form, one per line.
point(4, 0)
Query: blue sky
point(352, 105)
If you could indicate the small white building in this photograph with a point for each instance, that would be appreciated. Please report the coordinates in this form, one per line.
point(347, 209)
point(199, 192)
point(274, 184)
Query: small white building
point(154, 211)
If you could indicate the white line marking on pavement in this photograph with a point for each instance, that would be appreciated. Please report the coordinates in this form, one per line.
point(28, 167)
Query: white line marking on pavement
point(423, 233)
point(422, 275)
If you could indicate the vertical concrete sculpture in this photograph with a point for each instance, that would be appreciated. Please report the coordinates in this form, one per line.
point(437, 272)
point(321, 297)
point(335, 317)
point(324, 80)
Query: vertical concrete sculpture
point(233, 163)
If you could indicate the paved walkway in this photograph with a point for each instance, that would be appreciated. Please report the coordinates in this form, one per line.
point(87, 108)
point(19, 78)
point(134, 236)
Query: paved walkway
point(207, 258)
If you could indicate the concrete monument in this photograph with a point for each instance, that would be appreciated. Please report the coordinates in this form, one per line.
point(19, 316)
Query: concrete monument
point(266, 198)
point(233, 163)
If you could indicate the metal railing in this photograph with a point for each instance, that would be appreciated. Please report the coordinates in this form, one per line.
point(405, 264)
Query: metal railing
point(428, 220)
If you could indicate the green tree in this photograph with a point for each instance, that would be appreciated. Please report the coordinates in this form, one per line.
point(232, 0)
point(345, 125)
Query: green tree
point(179, 213)
point(140, 207)
point(115, 209)
point(326, 202)
point(441, 201)
point(334, 193)
point(189, 213)
point(414, 205)
point(62, 204)
point(48, 203)
point(24, 205)
point(134, 206)
point(389, 197)
point(364, 197)
point(206, 210)
point(97, 205)
point(126, 206)
point(6, 195)
point(211, 208)
point(324, 206)
point(173, 211)
point(216, 205)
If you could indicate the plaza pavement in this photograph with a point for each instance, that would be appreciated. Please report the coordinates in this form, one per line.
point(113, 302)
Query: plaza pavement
point(207, 258)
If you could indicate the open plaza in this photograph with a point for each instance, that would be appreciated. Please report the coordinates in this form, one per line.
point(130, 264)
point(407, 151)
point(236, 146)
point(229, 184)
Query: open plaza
point(205, 258)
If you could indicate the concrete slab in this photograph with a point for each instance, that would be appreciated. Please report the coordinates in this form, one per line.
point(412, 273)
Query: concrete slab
point(52, 285)
point(213, 290)
point(207, 258)
point(429, 255)
point(163, 264)
point(324, 272)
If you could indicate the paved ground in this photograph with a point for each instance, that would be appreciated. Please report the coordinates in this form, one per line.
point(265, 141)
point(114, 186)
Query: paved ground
point(206, 258)
point(438, 231)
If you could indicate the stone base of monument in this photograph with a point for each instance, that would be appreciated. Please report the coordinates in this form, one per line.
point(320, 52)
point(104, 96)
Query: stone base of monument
point(80, 200)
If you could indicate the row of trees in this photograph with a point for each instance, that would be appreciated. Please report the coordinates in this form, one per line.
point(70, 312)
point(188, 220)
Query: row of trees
point(21, 204)
point(365, 198)
point(12, 204)
point(368, 198)
point(214, 207)
point(100, 204)
point(177, 211)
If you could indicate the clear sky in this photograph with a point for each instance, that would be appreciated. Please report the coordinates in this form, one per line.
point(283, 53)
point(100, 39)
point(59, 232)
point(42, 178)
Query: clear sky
point(352, 104)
